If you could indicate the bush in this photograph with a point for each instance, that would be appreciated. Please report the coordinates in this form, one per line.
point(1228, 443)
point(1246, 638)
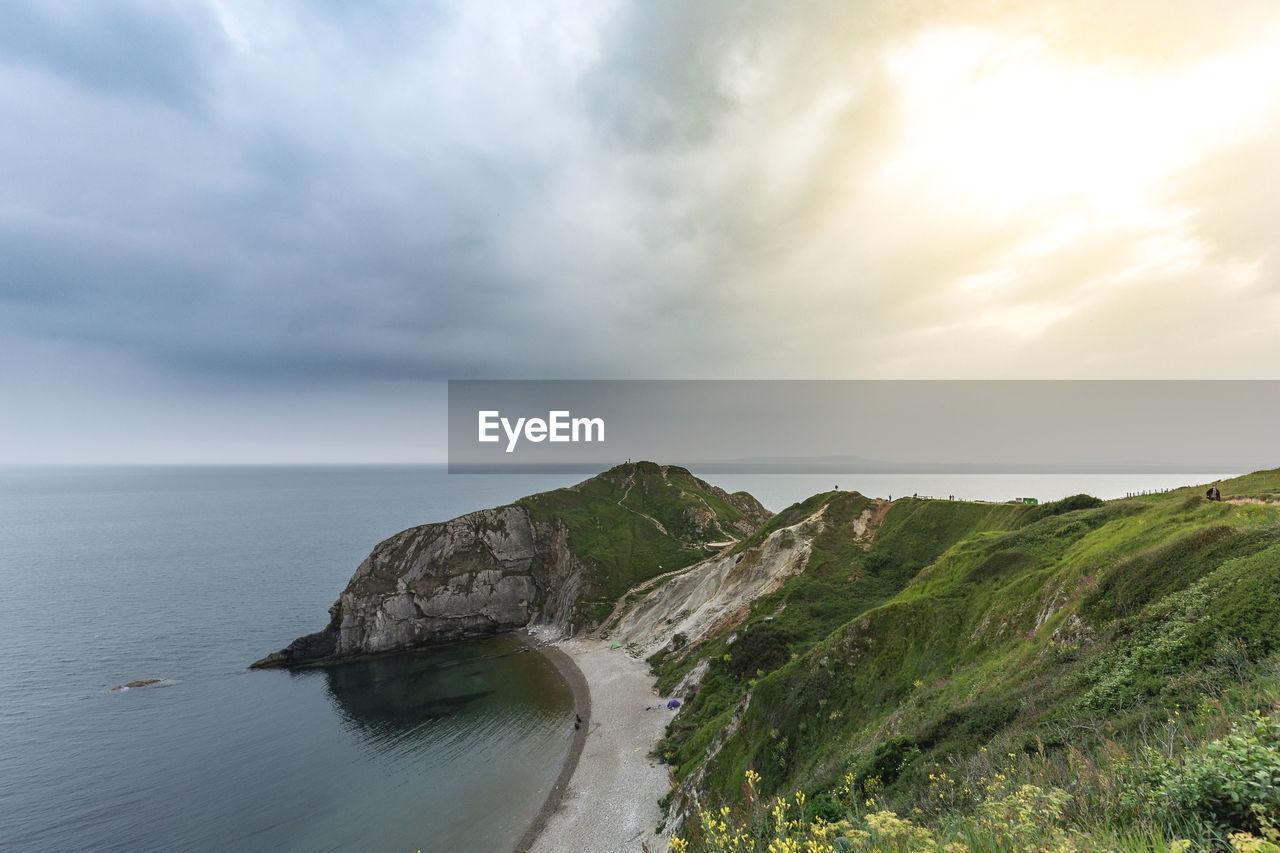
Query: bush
point(1232, 783)
point(887, 762)
point(759, 651)
point(1059, 507)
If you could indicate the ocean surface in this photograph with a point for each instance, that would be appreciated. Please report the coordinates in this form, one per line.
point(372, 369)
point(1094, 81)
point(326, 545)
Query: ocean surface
point(110, 575)
point(189, 574)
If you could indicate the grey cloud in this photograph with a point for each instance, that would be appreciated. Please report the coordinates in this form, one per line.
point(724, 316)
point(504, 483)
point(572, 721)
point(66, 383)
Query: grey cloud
point(153, 50)
point(352, 195)
point(656, 87)
point(329, 317)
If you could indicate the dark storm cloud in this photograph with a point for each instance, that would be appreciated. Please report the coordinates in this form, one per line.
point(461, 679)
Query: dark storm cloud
point(271, 241)
point(359, 306)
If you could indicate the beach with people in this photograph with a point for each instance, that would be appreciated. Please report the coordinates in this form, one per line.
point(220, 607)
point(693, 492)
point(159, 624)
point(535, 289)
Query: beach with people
point(606, 799)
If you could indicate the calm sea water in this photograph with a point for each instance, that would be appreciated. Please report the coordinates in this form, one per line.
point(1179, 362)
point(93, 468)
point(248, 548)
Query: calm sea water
point(188, 575)
point(108, 575)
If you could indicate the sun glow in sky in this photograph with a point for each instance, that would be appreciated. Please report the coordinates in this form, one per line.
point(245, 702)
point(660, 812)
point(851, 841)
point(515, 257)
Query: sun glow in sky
point(999, 125)
point(232, 230)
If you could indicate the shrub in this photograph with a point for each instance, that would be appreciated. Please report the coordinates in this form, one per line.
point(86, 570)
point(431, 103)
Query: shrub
point(1231, 783)
point(760, 650)
point(1059, 507)
point(887, 762)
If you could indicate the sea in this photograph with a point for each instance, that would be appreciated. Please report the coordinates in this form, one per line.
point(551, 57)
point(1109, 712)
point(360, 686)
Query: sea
point(111, 575)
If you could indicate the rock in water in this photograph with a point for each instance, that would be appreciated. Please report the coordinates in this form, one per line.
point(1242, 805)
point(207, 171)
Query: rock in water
point(145, 682)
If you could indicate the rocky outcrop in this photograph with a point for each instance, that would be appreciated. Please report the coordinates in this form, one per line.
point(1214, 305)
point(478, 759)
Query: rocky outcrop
point(550, 560)
point(716, 593)
point(144, 682)
point(481, 574)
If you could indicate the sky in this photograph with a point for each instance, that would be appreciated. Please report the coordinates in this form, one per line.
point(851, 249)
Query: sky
point(236, 231)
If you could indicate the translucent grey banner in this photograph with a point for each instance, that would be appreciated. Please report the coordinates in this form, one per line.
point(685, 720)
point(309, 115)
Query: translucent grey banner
point(865, 426)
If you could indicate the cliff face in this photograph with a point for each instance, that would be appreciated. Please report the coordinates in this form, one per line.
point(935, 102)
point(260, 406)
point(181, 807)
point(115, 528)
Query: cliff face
point(715, 594)
point(550, 560)
point(481, 574)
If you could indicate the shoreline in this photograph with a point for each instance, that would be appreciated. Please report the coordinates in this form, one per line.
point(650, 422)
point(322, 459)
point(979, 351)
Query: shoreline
point(606, 797)
point(581, 691)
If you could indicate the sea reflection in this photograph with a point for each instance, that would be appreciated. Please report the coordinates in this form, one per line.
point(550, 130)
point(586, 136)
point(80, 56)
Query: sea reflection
point(389, 696)
point(446, 696)
point(456, 744)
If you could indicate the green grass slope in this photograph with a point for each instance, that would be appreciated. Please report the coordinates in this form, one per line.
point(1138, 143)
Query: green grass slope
point(843, 579)
point(1063, 638)
point(638, 520)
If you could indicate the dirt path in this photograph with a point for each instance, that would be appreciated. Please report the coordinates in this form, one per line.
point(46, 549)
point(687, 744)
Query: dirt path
point(873, 523)
point(631, 481)
point(716, 518)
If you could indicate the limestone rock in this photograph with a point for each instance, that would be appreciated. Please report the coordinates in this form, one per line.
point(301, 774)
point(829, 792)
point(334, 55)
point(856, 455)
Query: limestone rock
point(716, 593)
point(515, 566)
point(481, 574)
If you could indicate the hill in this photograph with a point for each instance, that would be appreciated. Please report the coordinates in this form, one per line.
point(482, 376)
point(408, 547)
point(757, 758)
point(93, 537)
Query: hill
point(860, 674)
point(557, 559)
point(994, 677)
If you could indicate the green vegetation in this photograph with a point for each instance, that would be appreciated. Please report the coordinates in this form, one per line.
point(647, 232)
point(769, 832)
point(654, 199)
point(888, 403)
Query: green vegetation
point(1209, 781)
point(638, 520)
point(843, 579)
point(1077, 675)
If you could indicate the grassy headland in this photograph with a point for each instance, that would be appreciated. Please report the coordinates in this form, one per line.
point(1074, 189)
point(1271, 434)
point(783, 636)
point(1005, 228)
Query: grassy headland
point(1077, 675)
point(639, 520)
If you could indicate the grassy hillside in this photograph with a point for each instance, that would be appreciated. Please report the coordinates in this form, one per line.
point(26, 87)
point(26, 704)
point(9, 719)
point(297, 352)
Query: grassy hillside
point(842, 580)
point(1070, 671)
point(638, 520)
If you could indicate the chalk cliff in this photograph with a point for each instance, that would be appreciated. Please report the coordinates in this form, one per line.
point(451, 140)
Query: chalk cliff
point(715, 594)
point(483, 573)
point(557, 559)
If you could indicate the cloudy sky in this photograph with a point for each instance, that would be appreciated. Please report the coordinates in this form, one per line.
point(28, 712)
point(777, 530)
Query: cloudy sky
point(243, 231)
